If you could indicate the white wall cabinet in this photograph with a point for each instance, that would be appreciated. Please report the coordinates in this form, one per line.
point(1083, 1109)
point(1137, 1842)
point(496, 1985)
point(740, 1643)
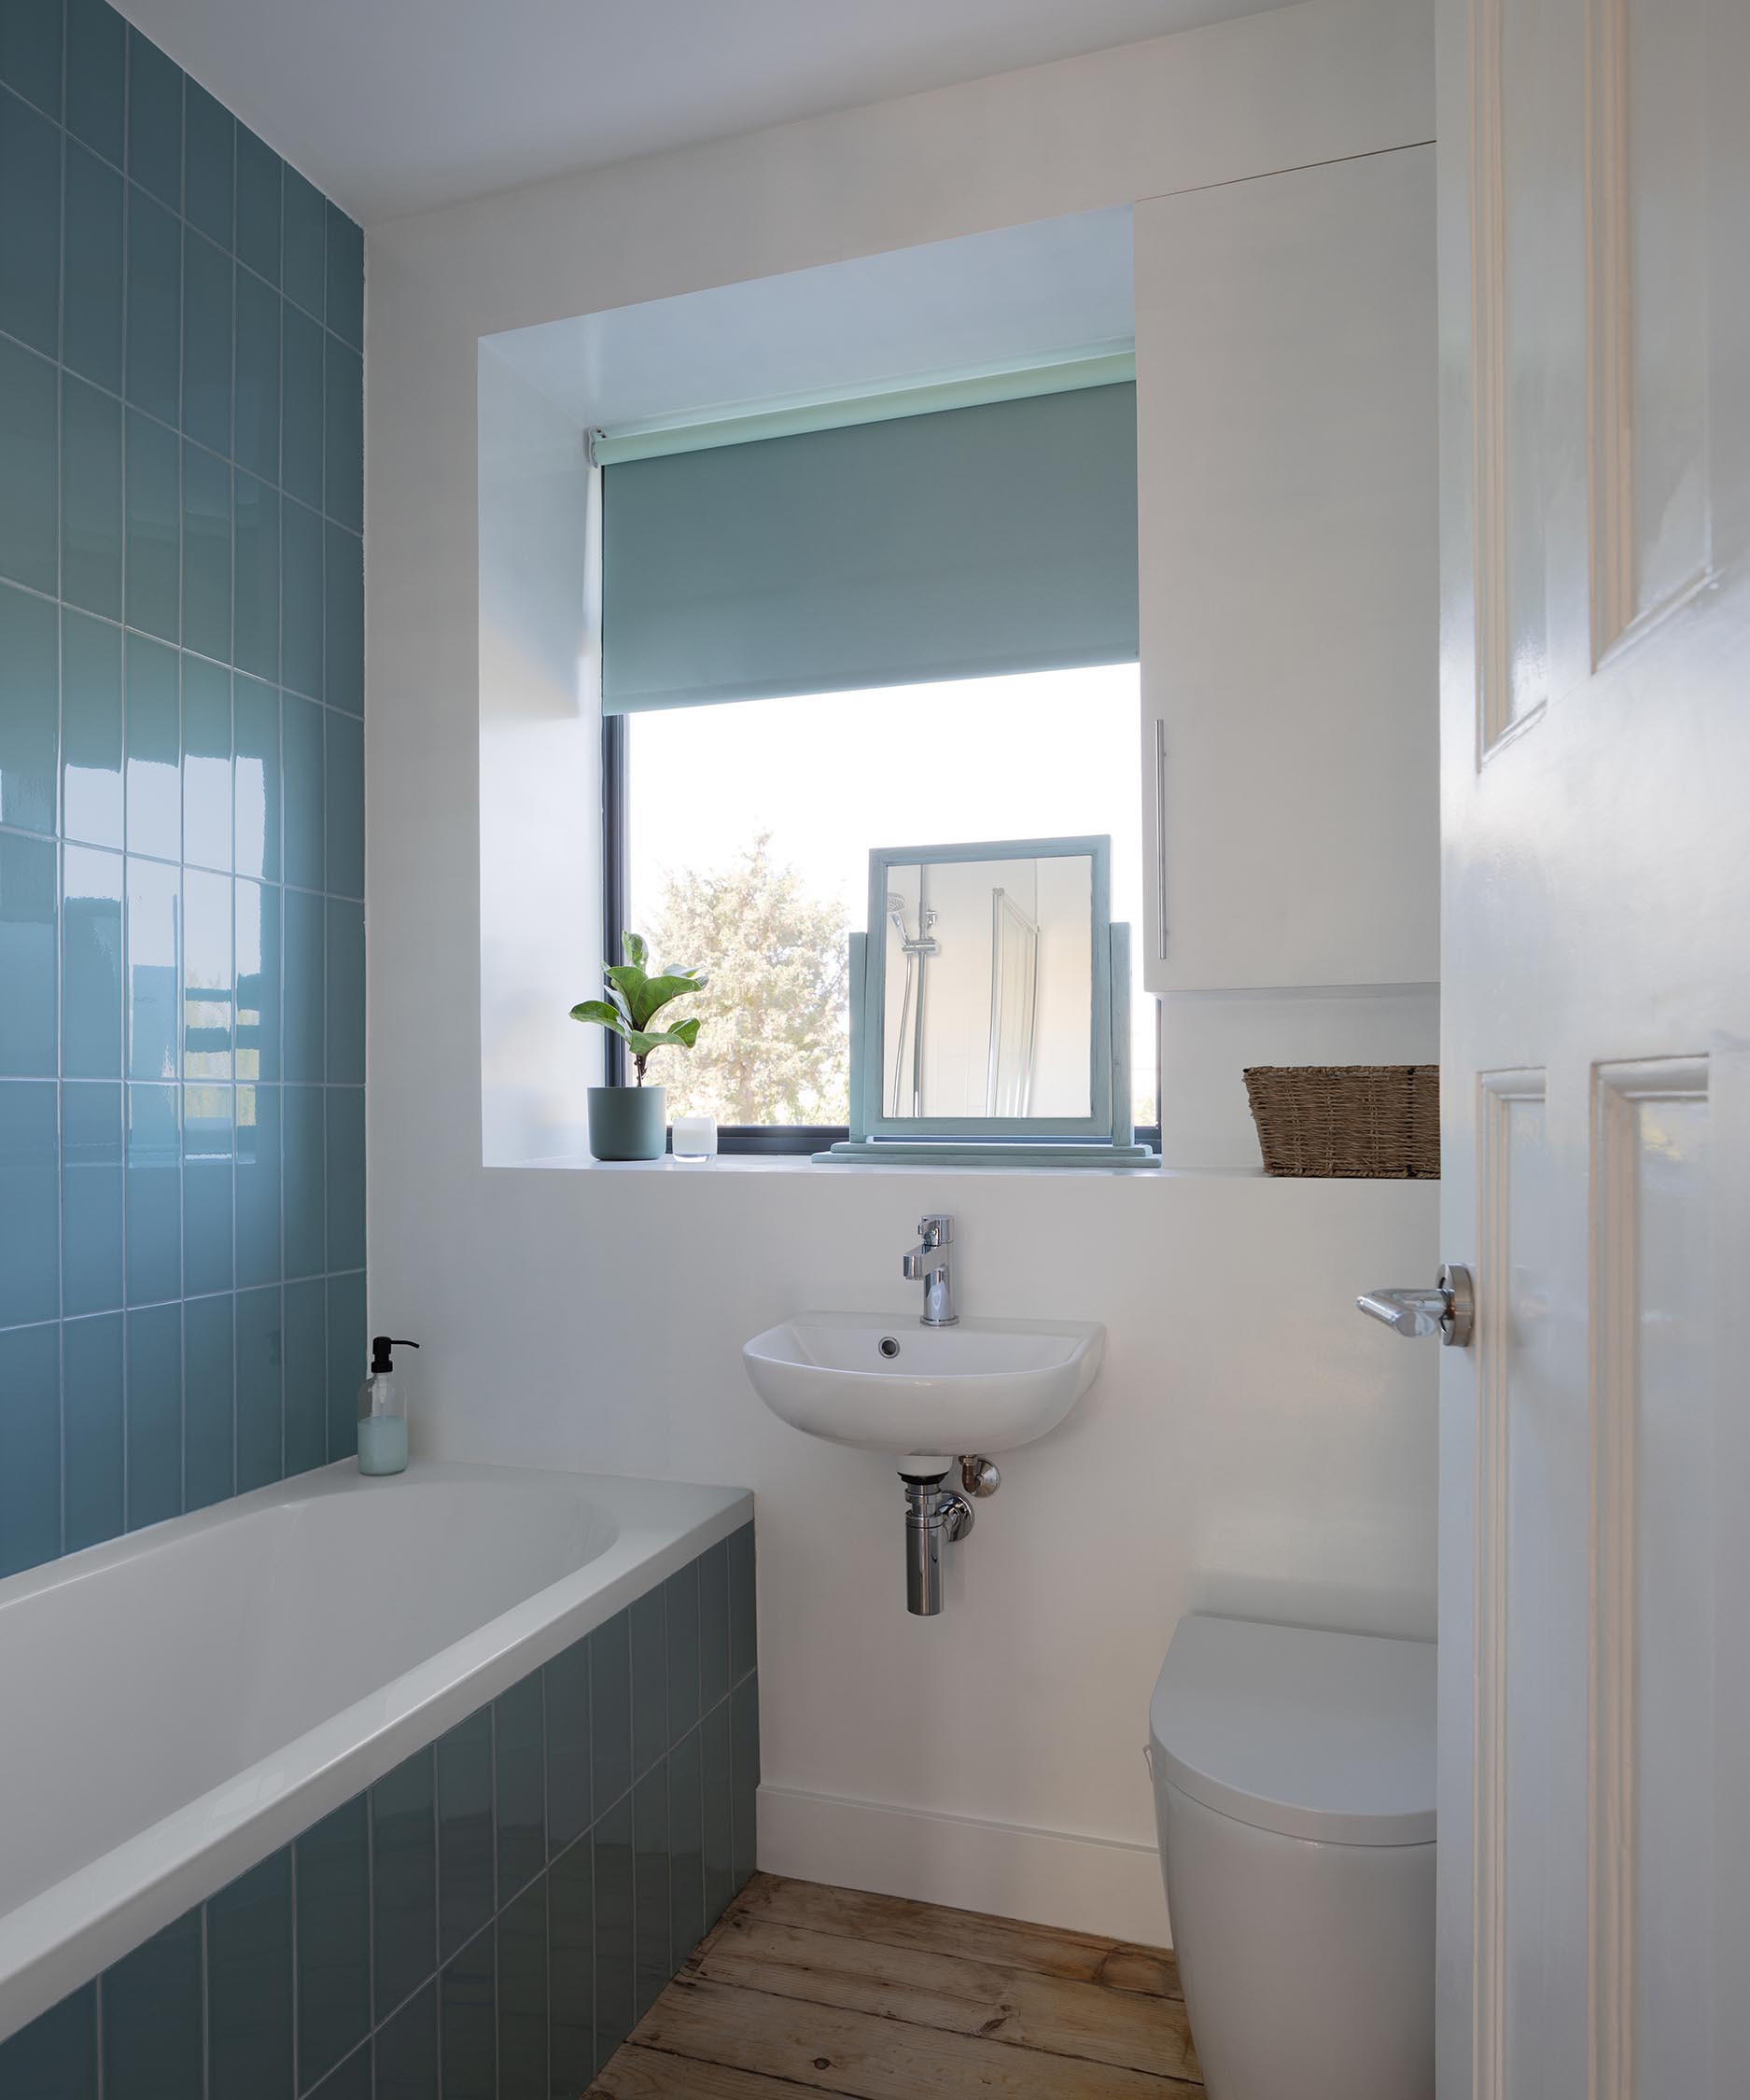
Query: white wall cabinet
point(1286, 409)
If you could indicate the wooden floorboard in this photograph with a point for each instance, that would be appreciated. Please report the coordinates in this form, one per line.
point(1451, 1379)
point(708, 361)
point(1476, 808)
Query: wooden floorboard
point(840, 1995)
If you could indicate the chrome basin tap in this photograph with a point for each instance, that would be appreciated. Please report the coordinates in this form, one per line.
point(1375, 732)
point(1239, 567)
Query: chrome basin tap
point(932, 1264)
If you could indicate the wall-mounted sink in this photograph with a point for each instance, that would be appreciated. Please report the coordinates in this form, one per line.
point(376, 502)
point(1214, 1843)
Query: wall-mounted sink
point(923, 1393)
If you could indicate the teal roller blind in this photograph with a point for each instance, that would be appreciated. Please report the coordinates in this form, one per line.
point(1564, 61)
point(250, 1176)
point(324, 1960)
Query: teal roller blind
point(962, 544)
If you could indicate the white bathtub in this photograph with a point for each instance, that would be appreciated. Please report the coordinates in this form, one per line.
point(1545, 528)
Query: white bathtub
point(176, 1705)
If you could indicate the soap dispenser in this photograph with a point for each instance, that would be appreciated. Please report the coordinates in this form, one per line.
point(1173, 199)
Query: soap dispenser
point(383, 1411)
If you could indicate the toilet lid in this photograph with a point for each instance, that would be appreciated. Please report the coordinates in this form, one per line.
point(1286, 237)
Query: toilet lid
point(1314, 1735)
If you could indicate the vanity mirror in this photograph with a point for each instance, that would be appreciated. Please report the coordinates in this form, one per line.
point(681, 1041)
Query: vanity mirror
point(991, 1009)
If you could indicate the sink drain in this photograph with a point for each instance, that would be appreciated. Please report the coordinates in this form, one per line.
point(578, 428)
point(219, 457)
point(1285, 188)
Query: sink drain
point(890, 1346)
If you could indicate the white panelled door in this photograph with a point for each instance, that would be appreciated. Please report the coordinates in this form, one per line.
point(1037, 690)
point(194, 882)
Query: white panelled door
point(1594, 262)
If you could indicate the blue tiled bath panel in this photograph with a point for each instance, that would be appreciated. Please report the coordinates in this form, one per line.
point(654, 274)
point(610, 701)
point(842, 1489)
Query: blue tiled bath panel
point(181, 794)
point(507, 1902)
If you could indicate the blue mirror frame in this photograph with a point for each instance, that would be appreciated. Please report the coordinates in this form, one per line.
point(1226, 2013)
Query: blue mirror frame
point(871, 1120)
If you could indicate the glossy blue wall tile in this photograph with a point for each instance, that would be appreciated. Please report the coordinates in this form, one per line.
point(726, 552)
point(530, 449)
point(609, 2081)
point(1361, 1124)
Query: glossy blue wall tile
point(208, 1187)
point(527, 1990)
point(30, 1442)
point(91, 499)
point(154, 1371)
point(152, 550)
point(610, 1710)
point(27, 955)
point(305, 1181)
point(300, 599)
point(333, 1875)
point(260, 1387)
point(255, 785)
point(345, 992)
point(27, 711)
point(207, 328)
point(160, 985)
point(30, 51)
point(206, 764)
point(206, 542)
point(154, 306)
point(97, 62)
point(209, 148)
point(30, 229)
point(467, 2020)
point(568, 1725)
point(92, 1430)
point(343, 584)
point(30, 1205)
point(404, 1879)
point(255, 628)
point(154, 120)
point(571, 1968)
point(344, 805)
point(522, 1997)
point(345, 1110)
point(306, 1374)
point(209, 1435)
point(260, 1252)
point(156, 261)
point(153, 1204)
point(347, 1351)
point(257, 205)
point(407, 2050)
point(301, 772)
point(344, 447)
point(305, 252)
point(91, 265)
point(90, 729)
point(518, 1786)
point(152, 2026)
point(465, 1831)
point(249, 1985)
point(91, 1198)
point(257, 406)
point(30, 482)
point(301, 406)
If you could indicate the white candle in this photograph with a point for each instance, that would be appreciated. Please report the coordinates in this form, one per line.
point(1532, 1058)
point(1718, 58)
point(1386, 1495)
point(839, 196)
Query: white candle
point(695, 1137)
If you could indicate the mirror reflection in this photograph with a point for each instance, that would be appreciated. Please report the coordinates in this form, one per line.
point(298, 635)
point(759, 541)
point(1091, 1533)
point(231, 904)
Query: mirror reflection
point(988, 992)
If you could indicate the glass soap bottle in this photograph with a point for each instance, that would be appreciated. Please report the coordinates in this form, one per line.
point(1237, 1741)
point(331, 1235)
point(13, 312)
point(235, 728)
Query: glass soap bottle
point(383, 1411)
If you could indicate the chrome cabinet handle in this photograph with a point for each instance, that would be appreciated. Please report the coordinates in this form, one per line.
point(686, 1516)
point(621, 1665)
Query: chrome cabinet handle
point(1449, 1310)
point(1160, 839)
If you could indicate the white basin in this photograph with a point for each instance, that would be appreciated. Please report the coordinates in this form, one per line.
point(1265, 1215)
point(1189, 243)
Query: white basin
point(932, 1393)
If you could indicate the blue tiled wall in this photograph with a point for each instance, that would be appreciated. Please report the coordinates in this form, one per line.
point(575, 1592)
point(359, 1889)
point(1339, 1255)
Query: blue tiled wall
point(490, 1921)
point(182, 1291)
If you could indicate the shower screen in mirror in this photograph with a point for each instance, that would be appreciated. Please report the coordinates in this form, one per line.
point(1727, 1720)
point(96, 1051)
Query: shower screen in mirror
point(988, 990)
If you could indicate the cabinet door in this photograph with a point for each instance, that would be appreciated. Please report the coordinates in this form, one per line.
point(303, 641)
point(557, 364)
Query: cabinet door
point(1288, 526)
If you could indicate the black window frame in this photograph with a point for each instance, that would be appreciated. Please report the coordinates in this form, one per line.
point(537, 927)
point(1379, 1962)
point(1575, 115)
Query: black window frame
point(769, 1139)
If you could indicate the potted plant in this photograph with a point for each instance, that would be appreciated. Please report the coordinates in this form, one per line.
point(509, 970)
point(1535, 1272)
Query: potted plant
point(632, 1121)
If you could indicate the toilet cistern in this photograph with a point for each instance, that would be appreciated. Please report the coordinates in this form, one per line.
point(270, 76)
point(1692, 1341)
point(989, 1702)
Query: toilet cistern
point(932, 1263)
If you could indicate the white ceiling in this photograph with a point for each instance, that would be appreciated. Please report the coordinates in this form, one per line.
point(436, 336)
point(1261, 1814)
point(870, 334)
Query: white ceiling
point(395, 106)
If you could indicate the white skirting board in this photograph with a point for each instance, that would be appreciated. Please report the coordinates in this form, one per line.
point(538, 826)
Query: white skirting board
point(1047, 1877)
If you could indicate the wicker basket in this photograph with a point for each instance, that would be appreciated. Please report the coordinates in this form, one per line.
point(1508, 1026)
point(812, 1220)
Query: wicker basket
point(1371, 1121)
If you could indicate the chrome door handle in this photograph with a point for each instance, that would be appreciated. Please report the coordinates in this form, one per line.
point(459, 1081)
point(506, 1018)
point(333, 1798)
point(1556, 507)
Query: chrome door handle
point(1449, 1310)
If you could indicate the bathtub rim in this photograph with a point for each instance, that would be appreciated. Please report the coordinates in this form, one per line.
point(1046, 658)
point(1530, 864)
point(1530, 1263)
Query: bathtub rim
point(62, 1937)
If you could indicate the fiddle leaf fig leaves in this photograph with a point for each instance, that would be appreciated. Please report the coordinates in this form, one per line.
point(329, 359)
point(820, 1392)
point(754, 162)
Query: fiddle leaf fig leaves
point(635, 999)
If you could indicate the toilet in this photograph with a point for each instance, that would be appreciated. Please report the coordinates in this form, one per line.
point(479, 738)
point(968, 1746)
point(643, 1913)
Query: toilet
point(1295, 1798)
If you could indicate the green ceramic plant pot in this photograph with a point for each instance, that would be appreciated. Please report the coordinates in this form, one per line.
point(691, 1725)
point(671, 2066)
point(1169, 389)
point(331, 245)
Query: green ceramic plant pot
point(628, 1122)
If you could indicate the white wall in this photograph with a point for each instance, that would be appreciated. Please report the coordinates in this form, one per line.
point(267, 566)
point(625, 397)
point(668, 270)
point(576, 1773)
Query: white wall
point(1250, 1444)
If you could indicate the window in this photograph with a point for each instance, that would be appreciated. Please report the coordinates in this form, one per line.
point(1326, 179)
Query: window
point(738, 835)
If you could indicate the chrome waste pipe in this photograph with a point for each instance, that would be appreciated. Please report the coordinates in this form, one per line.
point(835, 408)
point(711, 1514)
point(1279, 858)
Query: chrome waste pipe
point(936, 1517)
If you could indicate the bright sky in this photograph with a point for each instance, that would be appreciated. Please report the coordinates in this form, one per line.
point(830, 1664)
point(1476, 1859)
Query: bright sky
point(832, 776)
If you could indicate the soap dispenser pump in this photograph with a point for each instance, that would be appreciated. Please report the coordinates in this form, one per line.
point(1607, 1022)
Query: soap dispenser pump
point(383, 1411)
